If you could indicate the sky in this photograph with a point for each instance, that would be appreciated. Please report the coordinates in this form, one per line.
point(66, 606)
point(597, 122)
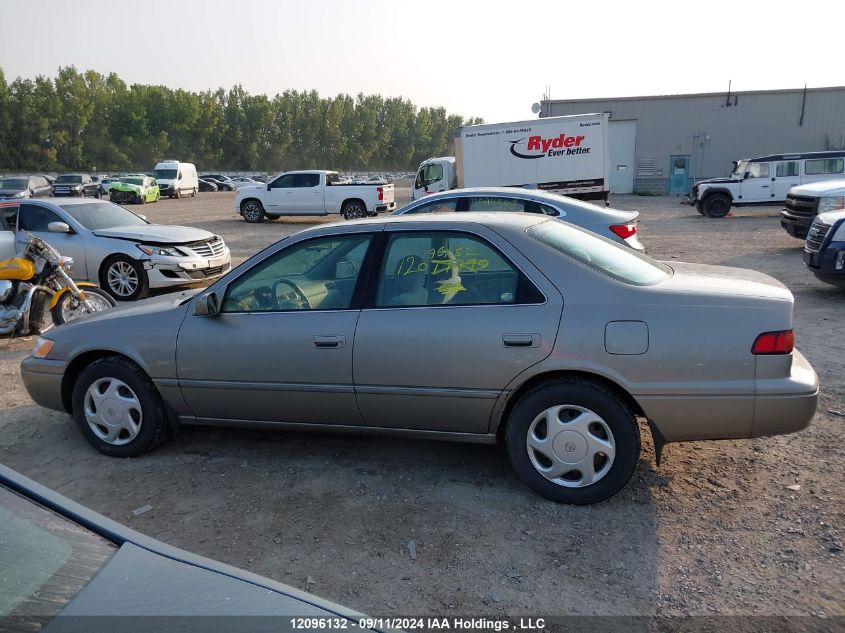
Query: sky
point(490, 59)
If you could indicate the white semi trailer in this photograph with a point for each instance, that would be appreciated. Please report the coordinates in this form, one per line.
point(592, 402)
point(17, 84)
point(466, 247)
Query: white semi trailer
point(564, 154)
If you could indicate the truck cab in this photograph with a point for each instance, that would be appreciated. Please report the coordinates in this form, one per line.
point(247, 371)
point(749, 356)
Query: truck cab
point(433, 176)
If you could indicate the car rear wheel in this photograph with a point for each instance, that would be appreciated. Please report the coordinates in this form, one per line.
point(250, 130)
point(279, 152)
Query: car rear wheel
point(353, 210)
point(194, 193)
point(573, 441)
point(252, 211)
point(124, 278)
point(118, 409)
point(716, 205)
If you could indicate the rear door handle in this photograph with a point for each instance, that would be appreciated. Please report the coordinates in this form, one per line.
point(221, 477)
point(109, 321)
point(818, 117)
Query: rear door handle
point(521, 340)
point(329, 341)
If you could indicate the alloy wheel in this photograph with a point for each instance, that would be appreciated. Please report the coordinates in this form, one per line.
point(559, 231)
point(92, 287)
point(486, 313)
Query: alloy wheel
point(122, 278)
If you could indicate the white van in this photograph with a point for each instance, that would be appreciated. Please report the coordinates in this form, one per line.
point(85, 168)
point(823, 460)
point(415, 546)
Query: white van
point(764, 180)
point(176, 179)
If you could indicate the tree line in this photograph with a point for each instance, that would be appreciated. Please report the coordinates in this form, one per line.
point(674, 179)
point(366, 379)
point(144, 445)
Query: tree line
point(86, 121)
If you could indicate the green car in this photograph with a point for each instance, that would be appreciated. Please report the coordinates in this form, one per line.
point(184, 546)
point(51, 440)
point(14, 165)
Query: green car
point(136, 189)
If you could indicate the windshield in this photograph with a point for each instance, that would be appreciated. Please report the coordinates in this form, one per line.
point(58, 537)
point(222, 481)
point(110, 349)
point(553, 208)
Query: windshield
point(46, 560)
point(165, 174)
point(739, 169)
point(69, 178)
point(620, 262)
point(101, 215)
point(13, 183)
point(134, 181)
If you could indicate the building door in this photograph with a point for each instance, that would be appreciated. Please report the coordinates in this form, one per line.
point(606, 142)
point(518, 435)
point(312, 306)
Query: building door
point(679, 175)
point(622, 140)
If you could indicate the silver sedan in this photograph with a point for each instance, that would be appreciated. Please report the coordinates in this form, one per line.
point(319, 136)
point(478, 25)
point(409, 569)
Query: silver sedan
point(468, 327)
point(117, 248)
point(616, 225)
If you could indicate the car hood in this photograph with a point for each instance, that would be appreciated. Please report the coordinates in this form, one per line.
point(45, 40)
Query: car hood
point(156, 233)
point(124, 186)
point(723, 280)
point(818, 189)
point(10, 192)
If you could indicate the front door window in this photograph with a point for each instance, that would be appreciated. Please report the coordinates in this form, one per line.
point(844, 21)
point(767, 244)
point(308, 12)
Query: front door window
point(319, 274)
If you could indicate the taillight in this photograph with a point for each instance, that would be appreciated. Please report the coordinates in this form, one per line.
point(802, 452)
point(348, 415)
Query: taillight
point(781, 342)
point(625, 230)
point(380, 193)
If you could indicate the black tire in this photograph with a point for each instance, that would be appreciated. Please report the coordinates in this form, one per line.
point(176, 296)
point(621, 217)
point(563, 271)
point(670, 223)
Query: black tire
point(154, 427)
point(178, 193)
point(140, 199)
point(716, 205)
point(587, 395)
point(58, 310)
point(194, 193)
point(252, 211)
point(97, 194)
point(143, 285)
point(354, 210)
point(700, 208)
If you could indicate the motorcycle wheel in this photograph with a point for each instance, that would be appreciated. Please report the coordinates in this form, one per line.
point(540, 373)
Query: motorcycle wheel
point(69, 307)
point(40, 317)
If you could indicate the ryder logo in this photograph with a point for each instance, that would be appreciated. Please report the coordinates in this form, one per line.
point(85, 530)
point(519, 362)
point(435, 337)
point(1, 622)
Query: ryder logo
point(556, 146)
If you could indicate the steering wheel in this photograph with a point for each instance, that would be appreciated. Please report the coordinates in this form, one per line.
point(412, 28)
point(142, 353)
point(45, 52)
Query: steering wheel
point(301, 302)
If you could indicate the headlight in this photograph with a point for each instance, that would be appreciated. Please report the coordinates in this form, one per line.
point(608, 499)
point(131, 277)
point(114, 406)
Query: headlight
point(831, 203)
point(839, 234)
point(20, 194)
point(42, 347)
point(77, 187)
point(160, 250)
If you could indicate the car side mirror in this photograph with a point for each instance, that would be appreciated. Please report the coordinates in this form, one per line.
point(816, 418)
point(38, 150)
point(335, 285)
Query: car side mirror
point(345, 270)
point(268, 187)
point(208, 305)
point(746, 175)
point(58, 227)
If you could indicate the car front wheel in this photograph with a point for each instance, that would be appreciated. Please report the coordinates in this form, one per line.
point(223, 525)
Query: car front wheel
point(117, 408)
point(716, 205)
point(124, 278)
point(573, 441)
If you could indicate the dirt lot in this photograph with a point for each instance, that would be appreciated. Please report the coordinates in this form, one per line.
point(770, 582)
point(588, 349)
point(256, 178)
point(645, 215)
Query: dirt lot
point(714, 530)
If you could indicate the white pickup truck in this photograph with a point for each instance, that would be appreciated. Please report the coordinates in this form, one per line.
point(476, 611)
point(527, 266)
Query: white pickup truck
point(312, 192)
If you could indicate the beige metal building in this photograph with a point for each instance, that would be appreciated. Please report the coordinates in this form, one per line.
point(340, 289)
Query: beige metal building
point(662, 144)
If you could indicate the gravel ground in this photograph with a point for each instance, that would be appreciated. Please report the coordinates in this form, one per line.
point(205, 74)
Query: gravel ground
point(715, 530)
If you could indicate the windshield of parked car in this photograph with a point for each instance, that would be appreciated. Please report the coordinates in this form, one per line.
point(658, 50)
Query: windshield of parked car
point(166, 174)
point(95, 216)
point(620, 262)
point(740, 168)
point(134, 181)
point(13, 183)
point(69, 178)
point(46, 560)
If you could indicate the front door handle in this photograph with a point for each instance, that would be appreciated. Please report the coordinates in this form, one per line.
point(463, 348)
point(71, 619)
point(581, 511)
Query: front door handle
point(521, 340)
point(329, 341)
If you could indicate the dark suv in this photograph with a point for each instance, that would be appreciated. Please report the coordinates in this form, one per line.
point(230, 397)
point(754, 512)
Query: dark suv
point(79, 185)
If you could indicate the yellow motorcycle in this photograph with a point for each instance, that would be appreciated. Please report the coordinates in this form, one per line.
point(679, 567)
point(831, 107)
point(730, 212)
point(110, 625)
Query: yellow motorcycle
point(36, 291)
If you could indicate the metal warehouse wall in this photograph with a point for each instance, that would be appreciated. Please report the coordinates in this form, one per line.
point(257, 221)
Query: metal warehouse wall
point(713, 134)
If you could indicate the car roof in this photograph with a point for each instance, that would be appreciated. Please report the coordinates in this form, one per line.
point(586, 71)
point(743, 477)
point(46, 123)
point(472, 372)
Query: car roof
point(505, 222)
